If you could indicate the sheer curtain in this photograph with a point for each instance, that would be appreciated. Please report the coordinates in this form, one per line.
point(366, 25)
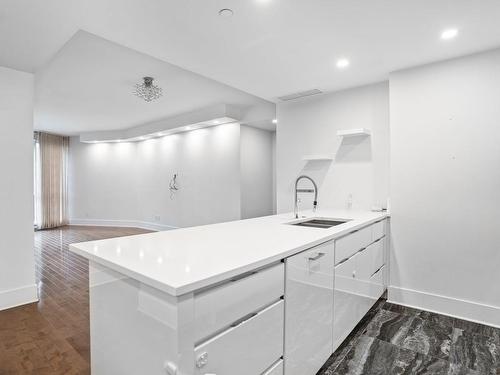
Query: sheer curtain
point(51, 180)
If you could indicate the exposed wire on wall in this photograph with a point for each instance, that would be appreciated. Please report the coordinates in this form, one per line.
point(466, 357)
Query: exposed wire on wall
point(173, 186)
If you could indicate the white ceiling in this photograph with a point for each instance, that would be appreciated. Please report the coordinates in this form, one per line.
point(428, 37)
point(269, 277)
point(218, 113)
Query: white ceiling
point(269, 47)
point(88, 87)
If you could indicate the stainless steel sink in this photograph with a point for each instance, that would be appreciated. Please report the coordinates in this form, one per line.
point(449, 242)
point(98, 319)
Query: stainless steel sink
point(319, 223)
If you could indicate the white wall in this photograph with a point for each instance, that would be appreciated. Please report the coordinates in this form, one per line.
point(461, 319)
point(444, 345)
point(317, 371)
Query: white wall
point(17, 264)
point(128, 183)
point(445, 187)
point(103, 181)
point(256, 168)
point(207, 162)
point(361, 165)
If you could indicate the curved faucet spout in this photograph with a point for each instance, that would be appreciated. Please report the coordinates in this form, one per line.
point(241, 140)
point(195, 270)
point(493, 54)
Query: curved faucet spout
point(297, 190)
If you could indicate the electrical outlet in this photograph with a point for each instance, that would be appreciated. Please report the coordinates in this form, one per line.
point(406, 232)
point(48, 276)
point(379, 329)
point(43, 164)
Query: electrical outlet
point(157, 218)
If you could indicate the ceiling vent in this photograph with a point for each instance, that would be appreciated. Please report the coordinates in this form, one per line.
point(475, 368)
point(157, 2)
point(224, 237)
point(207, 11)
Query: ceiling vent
point(300, 95)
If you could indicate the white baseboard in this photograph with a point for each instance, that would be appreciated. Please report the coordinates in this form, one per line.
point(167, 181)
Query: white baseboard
point(467, 310)
point(19, 296)
point(121, 223)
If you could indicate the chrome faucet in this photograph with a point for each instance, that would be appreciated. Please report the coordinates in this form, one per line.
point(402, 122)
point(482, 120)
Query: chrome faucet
point(297, 190)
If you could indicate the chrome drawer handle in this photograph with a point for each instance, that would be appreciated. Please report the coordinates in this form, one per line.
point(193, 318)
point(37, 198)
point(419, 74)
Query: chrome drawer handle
point(342, 261)
point(317, 256)
point(377, 271)
point(243, 320)
point(243, 276)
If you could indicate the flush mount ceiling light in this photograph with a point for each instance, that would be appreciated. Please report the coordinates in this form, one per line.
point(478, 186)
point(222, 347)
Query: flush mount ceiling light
point(226, 12)
point(449, 34)
point(342, 63)
point(147, 90)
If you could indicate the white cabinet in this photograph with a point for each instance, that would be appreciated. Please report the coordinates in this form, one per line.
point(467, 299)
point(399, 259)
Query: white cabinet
point(346, 301)
point(248, 348)
point(218, 307)
point(309, 309)
point(378, 229)
point(348, 245)
point(370, 260)
point(276, 369)
point(359, 283)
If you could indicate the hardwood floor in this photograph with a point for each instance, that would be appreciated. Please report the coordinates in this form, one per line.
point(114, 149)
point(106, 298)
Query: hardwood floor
point(52, 336)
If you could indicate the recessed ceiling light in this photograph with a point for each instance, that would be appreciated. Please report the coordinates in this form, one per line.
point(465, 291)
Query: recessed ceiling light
point(275, 121)
point(342, 63)
point(449, 34)
point(188, 128)
point(226, 12)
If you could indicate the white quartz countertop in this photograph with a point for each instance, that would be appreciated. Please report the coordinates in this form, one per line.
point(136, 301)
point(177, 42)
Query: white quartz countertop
point(183, 260)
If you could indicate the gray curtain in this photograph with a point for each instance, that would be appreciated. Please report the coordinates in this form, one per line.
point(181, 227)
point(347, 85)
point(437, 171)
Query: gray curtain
point(53, 180)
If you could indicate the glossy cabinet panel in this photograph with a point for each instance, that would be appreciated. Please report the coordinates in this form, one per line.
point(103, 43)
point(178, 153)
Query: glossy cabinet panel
point(370, 260)
point(377, 283)
point(130, 321)
point(359, 283)
point(248, 348)
point(218, 307)
point(378, 230)
point(348, 245)
point(276, 369)
point(346, 301)
point(309, 309)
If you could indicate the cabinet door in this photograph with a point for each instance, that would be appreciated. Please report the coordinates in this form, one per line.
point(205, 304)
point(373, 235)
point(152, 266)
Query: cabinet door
point(346, 300)
point(309, 310)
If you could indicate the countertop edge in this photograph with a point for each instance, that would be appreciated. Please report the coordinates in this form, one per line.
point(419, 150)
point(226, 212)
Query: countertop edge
point(177, 291)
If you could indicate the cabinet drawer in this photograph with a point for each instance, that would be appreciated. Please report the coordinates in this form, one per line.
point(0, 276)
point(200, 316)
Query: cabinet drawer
point(276, 369)
point(378, 230)
point(377, 283)
point(353, 242)
point(247, 349)
point(370, 260)
point(217, 308)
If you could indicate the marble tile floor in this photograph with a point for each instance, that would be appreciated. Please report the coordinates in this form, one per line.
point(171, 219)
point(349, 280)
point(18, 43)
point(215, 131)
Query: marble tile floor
point(397, 340)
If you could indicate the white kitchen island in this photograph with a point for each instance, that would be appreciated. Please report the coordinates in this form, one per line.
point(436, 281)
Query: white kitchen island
point(249, 297)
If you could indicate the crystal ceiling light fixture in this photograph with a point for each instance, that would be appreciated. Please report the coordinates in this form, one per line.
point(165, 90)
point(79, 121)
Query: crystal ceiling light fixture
point(147, 90)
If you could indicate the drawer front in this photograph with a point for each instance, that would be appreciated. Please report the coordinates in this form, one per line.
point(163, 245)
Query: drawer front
point(276, 369)
point(377, 283)
point(348, 245)
point(370, 260)
point(309, 309)
point(247, 349)
point(219, 307)
point(378, 230)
